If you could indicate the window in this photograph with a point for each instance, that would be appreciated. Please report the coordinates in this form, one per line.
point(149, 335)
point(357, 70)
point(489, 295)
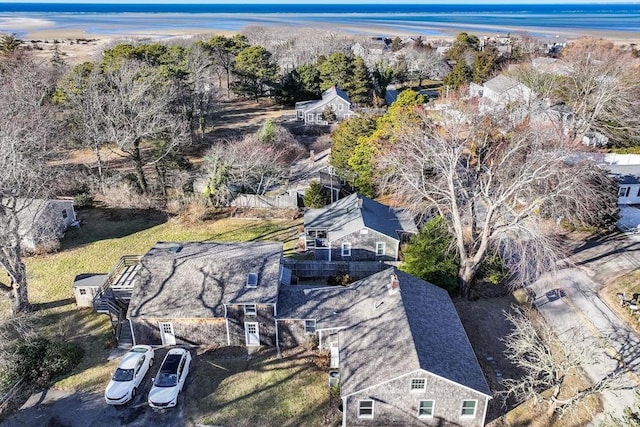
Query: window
point(425, 409)
point(340, 107)
point(380, 248)
point(469, 408)
point(310, 326)
point(365, 409)
point(418, 384)
point(64, 214)
point(623, 191)
point(346, 249)
point(83, 291)
point(252, 280)
point(638, 195)
point(139, 364)
point(250, 310)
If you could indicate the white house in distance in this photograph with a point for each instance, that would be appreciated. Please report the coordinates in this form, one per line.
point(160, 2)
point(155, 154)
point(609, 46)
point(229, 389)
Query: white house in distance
point(502, 90)
point(333, 99)
point(43, 221)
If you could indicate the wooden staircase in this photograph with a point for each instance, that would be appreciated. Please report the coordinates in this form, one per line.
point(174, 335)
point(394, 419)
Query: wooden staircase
point(114, 296)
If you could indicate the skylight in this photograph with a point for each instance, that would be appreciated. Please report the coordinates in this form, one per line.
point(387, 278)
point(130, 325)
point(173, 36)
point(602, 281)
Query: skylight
point(252, 280)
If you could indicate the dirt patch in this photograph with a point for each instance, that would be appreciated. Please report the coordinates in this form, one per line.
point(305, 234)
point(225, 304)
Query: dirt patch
point(485, 324)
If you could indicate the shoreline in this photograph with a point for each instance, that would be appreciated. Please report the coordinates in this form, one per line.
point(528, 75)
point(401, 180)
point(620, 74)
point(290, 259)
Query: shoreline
point(81, 44)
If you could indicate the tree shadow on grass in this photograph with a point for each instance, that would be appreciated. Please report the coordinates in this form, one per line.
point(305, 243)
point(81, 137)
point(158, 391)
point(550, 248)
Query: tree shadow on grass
point(109, 223)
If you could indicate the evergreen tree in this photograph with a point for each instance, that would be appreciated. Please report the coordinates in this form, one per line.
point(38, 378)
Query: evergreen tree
point(396, 44)
point(360, 87)
point(458, 77)
point(256, 71)
point(336, 70)
point(485, 64)
point(345, 138)
point(310, 78)
point(429, 255)
point(316, 196)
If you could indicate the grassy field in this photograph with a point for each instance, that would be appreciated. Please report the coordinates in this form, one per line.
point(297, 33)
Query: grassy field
point(262, 391)
point(106, 235)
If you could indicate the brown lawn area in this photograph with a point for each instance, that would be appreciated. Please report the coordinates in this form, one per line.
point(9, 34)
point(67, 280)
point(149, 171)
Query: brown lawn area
point(628, 284)
point(261, 390)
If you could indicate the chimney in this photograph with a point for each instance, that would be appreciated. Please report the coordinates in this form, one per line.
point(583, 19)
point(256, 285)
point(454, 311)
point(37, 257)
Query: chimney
point(394, 286)
point(359, 202)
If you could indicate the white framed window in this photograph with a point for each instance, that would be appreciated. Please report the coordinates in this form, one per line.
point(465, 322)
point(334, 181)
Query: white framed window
point(340, 107)
point(346, 249)
point(252, 280)
point(83, 291)
point(250, 310)
point(64, 214)
point(310, 326)
point(468, 408)
point(380, 248)
point(425, 409)
point(365, 409)
point(418, 384)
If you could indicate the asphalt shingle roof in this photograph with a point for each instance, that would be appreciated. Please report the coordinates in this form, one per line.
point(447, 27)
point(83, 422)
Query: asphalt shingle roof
point(345, 217)
point(187, 280)
point(327, 96)
point(387, 335)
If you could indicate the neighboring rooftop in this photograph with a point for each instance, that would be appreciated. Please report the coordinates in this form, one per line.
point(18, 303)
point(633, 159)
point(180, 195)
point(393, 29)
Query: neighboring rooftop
point(624, 174)
point(501, 83)
point(388, 334)
point(347, 215)
point(327, 96)
point(187, 280)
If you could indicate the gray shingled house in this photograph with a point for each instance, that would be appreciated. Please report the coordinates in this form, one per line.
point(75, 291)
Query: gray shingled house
point(206, 293)
point(357, 228)
point(402, 353)
point(333, 100)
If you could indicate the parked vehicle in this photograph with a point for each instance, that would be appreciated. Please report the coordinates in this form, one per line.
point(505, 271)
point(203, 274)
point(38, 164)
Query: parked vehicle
point(125, 380)
point(170, 379)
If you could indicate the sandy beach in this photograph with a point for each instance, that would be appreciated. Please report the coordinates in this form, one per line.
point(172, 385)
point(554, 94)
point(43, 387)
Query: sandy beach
point(80, 44)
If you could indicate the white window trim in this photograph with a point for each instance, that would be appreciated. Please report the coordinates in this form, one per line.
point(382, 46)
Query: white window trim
point(249, 313)
point(418, 390)
point(306, 331)
point(346, 249)
point(433, 408)
point(475, 408)
point(381, 245)
point(373, 409)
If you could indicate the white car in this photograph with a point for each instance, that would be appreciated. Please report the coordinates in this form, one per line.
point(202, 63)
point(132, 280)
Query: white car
point(170, 379)
point(126, 379)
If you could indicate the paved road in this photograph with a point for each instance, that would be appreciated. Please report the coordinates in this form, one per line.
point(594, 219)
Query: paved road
point(582, 310)
point(83, 409)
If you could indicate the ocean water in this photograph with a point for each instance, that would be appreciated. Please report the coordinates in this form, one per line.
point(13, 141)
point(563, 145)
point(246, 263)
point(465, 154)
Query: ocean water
point(383, 19)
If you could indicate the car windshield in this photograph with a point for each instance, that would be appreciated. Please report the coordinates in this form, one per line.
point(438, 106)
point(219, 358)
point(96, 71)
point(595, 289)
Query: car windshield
point(166, 379)
point(122, 375)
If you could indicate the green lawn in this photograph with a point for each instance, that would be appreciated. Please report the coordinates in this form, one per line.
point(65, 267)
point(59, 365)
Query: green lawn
point(263, 391)
point(95, 247)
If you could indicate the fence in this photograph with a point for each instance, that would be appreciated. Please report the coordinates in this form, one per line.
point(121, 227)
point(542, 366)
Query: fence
point(318, 269)
point(265, 202)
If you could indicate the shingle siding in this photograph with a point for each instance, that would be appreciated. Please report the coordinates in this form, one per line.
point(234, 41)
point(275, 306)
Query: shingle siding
point(187, 331)
point(363, 247)
point(396, 405)
point(291, 333)
point(264, 318)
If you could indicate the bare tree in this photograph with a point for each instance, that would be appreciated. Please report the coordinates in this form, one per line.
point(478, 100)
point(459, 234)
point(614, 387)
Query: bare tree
point(603, 89)
point(250, 165)
point(426, 64)
point(27, 121)
point(203, 95)
point(548, 360)
point(138, 105)
point(500, 192)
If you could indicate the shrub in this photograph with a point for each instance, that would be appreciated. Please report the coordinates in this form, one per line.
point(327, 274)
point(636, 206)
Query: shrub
point(38, 360)
point(83, 200)
point(316, 196)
